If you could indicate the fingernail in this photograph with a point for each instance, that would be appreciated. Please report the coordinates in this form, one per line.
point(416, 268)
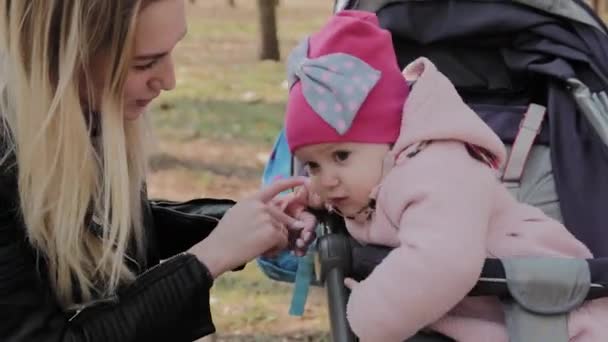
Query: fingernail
point(299, 224)
point(300, 244)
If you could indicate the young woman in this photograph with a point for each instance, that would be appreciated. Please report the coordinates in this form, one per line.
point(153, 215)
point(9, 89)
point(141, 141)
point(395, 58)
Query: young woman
point(80, 243)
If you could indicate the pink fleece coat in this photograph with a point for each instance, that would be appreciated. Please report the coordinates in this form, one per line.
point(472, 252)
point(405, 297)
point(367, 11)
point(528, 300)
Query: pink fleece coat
point(445, 212)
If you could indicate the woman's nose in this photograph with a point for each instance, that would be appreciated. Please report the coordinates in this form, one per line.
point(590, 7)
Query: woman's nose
point(165, 78)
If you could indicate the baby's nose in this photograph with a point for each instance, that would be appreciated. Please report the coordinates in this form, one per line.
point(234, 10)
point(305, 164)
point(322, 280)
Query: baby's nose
point(329, 180)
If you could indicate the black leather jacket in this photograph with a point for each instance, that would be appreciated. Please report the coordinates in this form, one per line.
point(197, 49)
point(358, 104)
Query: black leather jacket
point(168, 301)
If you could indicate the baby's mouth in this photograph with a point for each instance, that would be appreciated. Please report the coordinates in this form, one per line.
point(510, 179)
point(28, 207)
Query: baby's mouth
point(337, 201)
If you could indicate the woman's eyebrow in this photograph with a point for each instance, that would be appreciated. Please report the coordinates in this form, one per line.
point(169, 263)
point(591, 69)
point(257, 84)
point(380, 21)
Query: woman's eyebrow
point(151, 56)
point(158, 55)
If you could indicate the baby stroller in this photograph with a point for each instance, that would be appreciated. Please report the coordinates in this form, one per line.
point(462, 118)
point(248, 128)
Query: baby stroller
point(508, 58)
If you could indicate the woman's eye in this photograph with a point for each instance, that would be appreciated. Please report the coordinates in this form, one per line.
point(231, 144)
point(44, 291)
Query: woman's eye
point(146, 66)
point(341, 155)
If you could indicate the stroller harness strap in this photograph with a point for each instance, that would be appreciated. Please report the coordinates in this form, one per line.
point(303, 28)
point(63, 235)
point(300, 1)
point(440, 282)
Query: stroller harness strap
point(544, 290)
point(528, 130)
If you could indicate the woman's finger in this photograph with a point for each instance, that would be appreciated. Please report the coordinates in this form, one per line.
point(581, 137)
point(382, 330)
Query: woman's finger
point(287, 220)
point(277, 187)
point(280, 239)
point(282, 234)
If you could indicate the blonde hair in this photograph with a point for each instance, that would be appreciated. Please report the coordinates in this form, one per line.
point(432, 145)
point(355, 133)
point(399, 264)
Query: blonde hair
point(66, 180)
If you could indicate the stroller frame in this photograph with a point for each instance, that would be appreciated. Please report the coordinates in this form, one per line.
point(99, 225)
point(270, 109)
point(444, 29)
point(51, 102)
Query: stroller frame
point(340, 256)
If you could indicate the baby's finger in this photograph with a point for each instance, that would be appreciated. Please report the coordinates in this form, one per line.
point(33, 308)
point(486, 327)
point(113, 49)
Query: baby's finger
point(350, 283)
point(309, 220)
point(315, 201)
point(307, 235)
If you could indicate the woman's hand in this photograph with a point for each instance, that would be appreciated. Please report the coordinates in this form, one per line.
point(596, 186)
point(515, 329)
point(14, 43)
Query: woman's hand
point(252, 227)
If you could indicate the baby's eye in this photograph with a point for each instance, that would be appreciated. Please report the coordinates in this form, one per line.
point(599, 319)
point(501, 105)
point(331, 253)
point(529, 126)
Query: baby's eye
point(311, 167)
point(341, 156)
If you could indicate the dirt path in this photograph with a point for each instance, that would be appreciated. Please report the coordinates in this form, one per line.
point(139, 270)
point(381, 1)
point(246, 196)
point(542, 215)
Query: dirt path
point(205, 168)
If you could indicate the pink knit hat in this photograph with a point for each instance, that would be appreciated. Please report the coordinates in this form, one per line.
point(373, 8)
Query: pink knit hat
point(345, 84)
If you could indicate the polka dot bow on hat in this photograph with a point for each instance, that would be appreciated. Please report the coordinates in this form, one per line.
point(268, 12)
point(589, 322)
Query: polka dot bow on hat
point(345, 84)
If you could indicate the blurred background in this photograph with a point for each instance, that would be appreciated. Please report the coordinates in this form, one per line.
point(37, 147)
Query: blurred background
point(214, 133)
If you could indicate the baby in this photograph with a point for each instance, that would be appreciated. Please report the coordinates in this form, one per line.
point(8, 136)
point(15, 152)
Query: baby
point(409, 165)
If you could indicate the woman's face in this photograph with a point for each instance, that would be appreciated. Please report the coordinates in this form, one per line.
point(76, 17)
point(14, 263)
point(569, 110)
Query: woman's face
point(160, 26)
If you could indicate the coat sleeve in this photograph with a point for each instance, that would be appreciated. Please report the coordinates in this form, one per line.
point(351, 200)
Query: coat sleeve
point(180, 225)
point(168, 302)
point(441, 201)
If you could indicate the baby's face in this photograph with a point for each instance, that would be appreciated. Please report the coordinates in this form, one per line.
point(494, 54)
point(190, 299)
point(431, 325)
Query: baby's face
point(344, 174)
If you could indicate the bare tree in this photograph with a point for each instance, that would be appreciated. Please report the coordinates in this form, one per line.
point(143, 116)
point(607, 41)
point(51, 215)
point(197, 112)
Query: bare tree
point(594, 4)
point(231, 3)
point(598, 5)
point(269, 48)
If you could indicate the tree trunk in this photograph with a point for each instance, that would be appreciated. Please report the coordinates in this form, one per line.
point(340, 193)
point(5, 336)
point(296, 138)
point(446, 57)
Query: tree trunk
point(269, 48)
point(597, 5)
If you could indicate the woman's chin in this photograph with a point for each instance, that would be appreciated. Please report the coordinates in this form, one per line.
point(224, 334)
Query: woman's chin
point(134, 112)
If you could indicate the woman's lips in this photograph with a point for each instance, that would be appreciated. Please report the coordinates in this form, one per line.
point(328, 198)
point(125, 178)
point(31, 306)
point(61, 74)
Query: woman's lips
point(143, 103)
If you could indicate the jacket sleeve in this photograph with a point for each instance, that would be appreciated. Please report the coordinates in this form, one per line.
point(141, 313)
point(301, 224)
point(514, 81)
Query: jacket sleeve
point(441, 201)
point(180, 225)
point(168, 302)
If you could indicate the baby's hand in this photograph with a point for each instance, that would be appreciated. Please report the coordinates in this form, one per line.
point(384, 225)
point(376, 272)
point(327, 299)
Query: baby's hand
point(350, 283)
point(303, 238)
point(294, 204)
point(304, 195)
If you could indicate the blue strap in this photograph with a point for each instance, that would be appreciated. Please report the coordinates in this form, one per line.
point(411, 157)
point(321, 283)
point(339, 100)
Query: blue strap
point(284, 266)
point(302, 284)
